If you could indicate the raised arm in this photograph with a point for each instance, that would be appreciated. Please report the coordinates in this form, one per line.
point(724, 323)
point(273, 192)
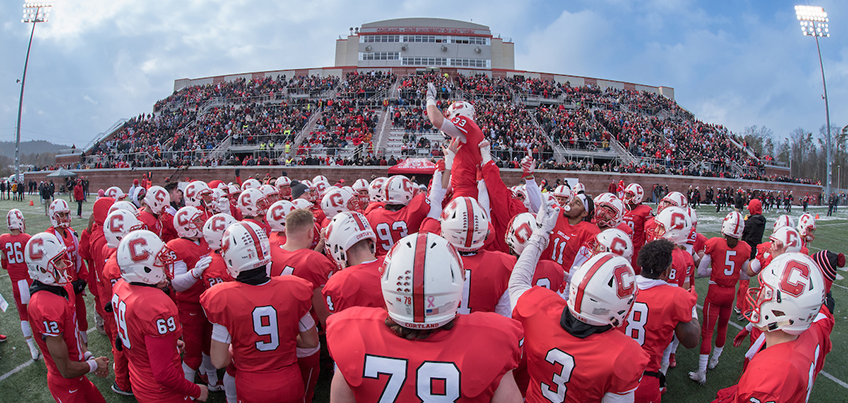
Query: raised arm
point(522, 275)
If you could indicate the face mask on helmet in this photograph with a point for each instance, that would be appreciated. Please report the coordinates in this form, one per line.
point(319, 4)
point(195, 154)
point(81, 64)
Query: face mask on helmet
point(781, 304)
point(47, 260)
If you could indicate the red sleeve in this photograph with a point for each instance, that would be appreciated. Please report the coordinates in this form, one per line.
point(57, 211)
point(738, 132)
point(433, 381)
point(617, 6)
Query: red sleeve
point(498, 194)
point(171, 377)
point(84, 245)
point(431, 225)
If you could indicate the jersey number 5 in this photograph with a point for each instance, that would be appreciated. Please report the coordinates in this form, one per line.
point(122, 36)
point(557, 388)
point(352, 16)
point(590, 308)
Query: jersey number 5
point(395, 368)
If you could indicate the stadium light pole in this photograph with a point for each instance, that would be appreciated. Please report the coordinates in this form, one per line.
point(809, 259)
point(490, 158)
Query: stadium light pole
point(814, 23)
point(33, 13)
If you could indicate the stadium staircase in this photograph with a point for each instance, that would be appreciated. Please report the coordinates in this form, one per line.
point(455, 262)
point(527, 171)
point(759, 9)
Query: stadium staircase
point(309, 127)
point(116, 127)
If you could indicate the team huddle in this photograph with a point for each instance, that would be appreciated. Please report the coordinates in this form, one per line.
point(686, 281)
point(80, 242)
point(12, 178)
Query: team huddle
point(464, 290)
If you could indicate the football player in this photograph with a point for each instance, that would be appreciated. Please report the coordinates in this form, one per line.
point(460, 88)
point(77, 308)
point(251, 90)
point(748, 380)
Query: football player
point(166, 217)
point(250, 203)
point(673, 199)
point(338, 200)
point(276, 311)
point(352, 244)
point(191, 258)
point(276, 219)
point(725, 259)
point(572, 231)
point(796, 329)
point(661, 312)
point(51, 309)
point(376, 194)
point(807, 229)
point(573, 352)
point(547, 273)
point(199, 195)
point(458, 123)
point(361, 189)
point(283, 185)
point(419, 341)
point(12, 257)
point(635, 216)
point(60, 220)
point(148, 322)
point(297, 258)
point(402, 214)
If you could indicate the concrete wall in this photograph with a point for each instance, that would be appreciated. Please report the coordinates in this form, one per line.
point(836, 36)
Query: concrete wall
point(595, 182)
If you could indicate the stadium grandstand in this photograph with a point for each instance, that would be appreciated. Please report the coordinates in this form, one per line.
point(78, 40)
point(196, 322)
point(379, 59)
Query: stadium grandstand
point(368, 109)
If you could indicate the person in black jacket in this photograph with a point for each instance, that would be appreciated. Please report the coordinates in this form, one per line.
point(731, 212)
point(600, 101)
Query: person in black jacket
point(755, 225)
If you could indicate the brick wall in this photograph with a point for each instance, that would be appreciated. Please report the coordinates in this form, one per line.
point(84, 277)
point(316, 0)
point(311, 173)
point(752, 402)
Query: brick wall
point(595, 182)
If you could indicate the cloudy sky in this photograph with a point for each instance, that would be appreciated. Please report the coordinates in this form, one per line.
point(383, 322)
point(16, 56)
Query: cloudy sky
point(737, 63)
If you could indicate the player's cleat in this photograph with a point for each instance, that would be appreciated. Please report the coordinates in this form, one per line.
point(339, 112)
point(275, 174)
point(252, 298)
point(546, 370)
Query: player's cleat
point(713, 362)
point(698, 376)
point(737, 310)
point(741, 318)
point(663, 390)
point(120, 391)
point(2, 338)
point(218, 387)
point(672, 361)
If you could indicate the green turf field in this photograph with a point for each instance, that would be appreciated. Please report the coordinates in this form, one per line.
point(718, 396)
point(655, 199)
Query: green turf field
point(21, 380)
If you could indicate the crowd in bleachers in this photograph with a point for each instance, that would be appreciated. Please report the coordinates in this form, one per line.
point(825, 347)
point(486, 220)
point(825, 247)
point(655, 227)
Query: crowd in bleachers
point(365, 85)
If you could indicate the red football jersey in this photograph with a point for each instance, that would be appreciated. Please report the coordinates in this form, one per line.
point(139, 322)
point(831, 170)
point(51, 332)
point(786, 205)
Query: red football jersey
point(318, 213)
point(146, 311)
point(188, 252)
point(486, 279)
point(55, 316)
point(71, 241)
point(566, 240)
point(786, 372)
point(650, 229)
point(607, 362)
point(355, 286)
point(379, 365)
point(111, 274)
point(13, 255)
point(635, 219)
point(262, 320)
point(726, 261)
point(217, 272)
point(166, 219)
point(468, 159)
point(696, 242)
point(277, 239)
point(372, 206)
point(391, 226)
point(549, 275)
point(151, 222)
point(658, 309)
point(682, 266)
point(304, 263)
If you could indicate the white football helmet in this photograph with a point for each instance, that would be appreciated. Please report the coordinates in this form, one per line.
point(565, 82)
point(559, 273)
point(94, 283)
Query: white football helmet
point(790, 295)
point(250, 184)
point(339, 200)
point(733, 225)
point(158, 199)
point(807, 227)
point(248, 202)
point(197, 194)
point(520, 193)
point(673, 223)
point(633, 193)
point(214, 229)
point(563, 195)
point(311, 193)
point(322, 186)
point(465, 224)
point(429, 260)
point(233, 192)
point(578, 188)
point(788, 237)
point(375, 189)
point(675, 199)
point(47, 260)
point(189, 222)
point(283, 185)
point(693, 217)
point(398, 190)
point(142, 257)
point(609, 210)
point(460, 108)
point(302, 204)
point(118, 224)
point(220, 202)
point(602, 290)
point(784, 221)
point(345, 230)
point(361, 188)
point(276, 215)
point(519, 231)
point(115, 193)
point(245, 247)
point(15, 220)
point(59, 213)
point(123, 205)
point(615, 241)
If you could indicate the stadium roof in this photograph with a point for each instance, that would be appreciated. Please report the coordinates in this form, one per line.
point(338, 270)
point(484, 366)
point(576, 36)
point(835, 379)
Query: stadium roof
point(424, 22)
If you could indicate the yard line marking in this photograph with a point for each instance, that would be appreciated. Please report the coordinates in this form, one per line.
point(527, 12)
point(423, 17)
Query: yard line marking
point(840, 286)
point(826, 375)
point(19, 368)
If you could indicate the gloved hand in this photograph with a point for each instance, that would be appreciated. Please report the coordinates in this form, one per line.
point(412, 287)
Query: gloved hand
point(431, 93)
point(450, 153)
point(528, 167)
point(79, 286)
point(545, 221)
point(201, 266)
point(238, 171)
point(740, 337)
point(485, 151)
point(440, 166)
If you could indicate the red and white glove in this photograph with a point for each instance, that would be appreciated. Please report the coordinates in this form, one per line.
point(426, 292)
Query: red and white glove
point(485, 151)
point(740, 337)
point(528, 167)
